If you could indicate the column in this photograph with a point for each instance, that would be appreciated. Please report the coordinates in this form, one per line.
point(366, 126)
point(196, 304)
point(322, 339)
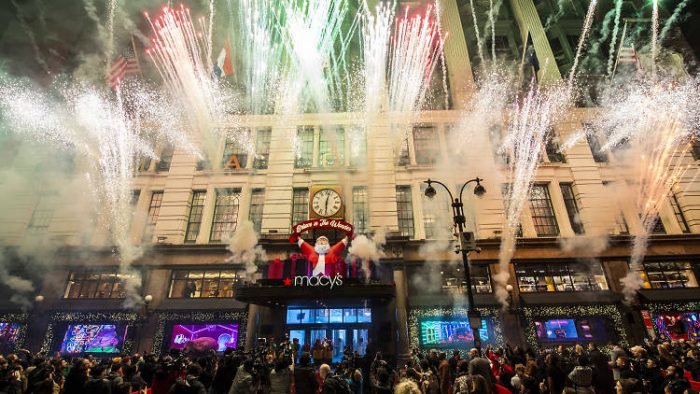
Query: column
point(528, 20)
point(251, 327)
point(459, 69)
point(402, 350)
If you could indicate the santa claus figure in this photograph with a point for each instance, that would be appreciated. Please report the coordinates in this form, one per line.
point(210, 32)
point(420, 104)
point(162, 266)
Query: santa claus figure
point(324, 259)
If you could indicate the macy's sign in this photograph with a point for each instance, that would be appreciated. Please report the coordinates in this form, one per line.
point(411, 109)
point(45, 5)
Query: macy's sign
point(314, 281)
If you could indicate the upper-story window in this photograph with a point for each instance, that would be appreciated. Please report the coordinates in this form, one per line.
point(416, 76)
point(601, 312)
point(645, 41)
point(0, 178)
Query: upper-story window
point(555, 277)
point(360, 209)
point(678, 212)
point(357, 146)
point(42, 215)
point(153, 213)
point(404, 210)
point(300, 205)
point(262, 148)
point(194, 221)
point(542, 211)
point(225, 214)
point(505, 194)
point(437, 221)
point(567, 191)
point(668, 275)
point(695, 149)
point(235, 151)
point(426, 144)
point(166, 157)
point(554, 154)
point(322, 316)
point(304, 147)
point(255, 214)
point(202, 283)
point(331, 147)
point(453, 278)
point(621, 226)
point(95, 284)
point(594, 143)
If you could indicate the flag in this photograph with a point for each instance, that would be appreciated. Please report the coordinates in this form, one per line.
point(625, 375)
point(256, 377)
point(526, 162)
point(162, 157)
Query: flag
point(125, 64)
point(223, 65)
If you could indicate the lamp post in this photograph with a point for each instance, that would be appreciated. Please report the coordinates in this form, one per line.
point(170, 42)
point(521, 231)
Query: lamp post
point(465, 246)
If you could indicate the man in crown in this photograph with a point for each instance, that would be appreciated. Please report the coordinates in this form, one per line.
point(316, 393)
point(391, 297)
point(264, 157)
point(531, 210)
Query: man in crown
point(325, 259)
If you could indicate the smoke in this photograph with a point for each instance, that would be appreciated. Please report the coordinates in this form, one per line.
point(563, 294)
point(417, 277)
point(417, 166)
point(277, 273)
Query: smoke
point(368, 249)
point(672, 20)
point(30, 34)
point(244, 248)
point(584, 245)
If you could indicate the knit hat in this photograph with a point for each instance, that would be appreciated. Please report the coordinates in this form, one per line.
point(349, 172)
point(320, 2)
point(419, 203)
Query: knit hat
point(581, 376)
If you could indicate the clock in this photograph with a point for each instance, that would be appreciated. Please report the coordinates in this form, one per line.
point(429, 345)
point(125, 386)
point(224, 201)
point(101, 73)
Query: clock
point(326, 203)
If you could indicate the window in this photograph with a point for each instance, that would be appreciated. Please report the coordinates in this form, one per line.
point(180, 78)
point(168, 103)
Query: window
point(300, 205)
point(554, 155)
point(42, 215)
point(658, 227)
point(331, 147)
point(436, 214)
point(425, 142)
point(152, 218)
point(262, 149)
point(322, 316)
point(194, 221)
point(404, 210)
point(594, 144)
point(678, 212)
point(255, 215)
point(668, 275)
point(96, 285)
point(202, 284)
point(357, 147)
point(621, 226)
point(567, 192)
point(542, 211)
point(360, 209)
point(166, 157)
point(404, 158)
point(505, 193)
point(305, 147)
point(453, 278)
point(144, 163)
point(554, 277)
point(225, 214)
point(695, 149)
point(235, 153)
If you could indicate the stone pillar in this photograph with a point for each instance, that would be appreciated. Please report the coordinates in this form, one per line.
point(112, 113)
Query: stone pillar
point(251, 327)
point(400, 284)
point(459, 69)
point(528, 20)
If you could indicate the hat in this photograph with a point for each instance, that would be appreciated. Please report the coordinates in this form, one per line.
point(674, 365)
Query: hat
point(322, 237)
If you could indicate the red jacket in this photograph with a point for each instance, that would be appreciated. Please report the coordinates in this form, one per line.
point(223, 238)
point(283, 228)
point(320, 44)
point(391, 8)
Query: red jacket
point(333, 256)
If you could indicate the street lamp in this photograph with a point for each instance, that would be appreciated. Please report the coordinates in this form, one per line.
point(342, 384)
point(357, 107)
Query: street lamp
point(465, 246)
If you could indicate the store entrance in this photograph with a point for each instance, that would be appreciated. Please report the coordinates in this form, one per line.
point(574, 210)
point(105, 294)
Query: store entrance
point(325, 342)
point(327, 332)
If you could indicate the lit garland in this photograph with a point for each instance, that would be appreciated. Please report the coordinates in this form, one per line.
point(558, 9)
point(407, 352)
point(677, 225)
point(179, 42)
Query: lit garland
point(87, 317)
point(609, 312)
point(20, 318)
point(656, 309)
point(165, 318)
point(440, 312)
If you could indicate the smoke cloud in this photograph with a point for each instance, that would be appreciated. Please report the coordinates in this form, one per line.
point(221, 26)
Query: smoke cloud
point(244, 248)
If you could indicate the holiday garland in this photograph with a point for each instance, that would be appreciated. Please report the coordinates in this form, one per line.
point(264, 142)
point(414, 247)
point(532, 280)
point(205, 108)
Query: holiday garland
point(609, 312)
point(20, 318)
point(87, 317)
point(414, 315)
point(166, 318)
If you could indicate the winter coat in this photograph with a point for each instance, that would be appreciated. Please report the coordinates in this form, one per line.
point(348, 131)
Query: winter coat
point(305, 381)
point(280, 381)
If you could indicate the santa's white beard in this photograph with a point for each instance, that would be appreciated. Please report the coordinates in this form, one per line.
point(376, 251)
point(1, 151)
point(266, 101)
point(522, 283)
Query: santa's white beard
point(321, 249)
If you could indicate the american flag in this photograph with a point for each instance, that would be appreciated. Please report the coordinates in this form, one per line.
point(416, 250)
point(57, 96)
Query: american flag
point(125, 64)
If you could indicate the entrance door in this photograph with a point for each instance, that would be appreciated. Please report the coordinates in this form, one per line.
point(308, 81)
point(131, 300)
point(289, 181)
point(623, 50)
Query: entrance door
point(301, 336)
point(359, 341)
point(339, 338)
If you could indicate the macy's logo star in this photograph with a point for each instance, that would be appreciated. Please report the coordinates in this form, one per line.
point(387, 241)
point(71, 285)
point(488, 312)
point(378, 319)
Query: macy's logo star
point(287, 282)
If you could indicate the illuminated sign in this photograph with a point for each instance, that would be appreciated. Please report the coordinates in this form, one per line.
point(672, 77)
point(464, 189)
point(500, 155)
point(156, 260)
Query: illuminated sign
point(314, 281)
point(322, 223)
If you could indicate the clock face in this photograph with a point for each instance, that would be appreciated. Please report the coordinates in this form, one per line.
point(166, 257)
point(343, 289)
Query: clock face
point(326, 202)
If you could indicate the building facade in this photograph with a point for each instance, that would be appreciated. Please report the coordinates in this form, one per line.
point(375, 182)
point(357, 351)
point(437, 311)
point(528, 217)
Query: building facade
point(572, 251)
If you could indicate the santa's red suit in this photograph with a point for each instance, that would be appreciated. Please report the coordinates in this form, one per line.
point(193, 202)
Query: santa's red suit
point(329, 263)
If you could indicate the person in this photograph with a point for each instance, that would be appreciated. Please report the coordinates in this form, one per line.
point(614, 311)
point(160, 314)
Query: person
point(322, 257)
point(243, 382)
point(454, 361)
point(226, 371)
point(98, 382)
point(305, 381)
point(333, 384)
point(294, 348)
point(555, 375)
point(190, 384)
point(407, 387)
point(466, 383)
point(444, 375)
point(624, 369)
point(675, 382)
point(45, 383)
point(77, 377)
point(652, 377)
point(480, 366)
point(280, 377)
point(355, 381)
point(629, 386)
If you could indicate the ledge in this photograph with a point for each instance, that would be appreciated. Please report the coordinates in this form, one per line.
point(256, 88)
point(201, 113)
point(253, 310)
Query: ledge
point(570, 297)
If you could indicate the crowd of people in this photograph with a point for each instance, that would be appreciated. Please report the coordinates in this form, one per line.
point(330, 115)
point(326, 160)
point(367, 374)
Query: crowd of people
point(655, 368)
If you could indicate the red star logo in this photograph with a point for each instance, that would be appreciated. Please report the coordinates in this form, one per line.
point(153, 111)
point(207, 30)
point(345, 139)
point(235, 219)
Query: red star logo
point(287, 282)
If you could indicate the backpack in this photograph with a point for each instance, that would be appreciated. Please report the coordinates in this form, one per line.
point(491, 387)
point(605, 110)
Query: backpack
point(336, 385)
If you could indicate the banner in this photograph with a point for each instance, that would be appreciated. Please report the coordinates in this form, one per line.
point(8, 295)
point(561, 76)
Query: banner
point(313, 224)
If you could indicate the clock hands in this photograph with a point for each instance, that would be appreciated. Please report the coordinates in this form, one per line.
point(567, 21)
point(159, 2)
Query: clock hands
point(327, 197)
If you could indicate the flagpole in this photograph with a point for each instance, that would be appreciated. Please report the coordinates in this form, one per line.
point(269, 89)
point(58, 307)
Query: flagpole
point(136, 56)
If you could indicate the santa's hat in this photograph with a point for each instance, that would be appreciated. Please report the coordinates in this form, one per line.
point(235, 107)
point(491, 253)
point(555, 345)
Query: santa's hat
point(322, 237)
